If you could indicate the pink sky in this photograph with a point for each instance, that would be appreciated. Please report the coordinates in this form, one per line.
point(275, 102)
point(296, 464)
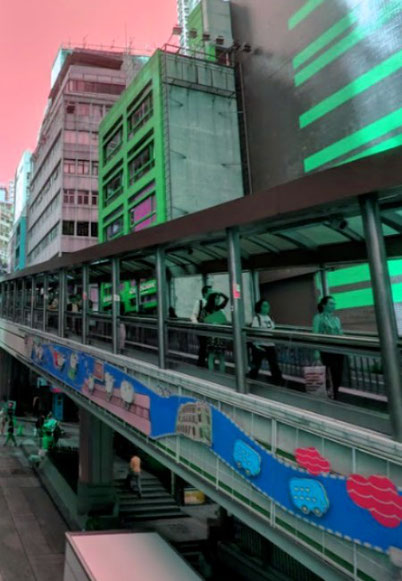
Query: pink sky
point(31, 33)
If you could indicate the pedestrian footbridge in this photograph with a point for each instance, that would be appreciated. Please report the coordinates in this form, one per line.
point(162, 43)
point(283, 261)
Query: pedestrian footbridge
point(320, 478)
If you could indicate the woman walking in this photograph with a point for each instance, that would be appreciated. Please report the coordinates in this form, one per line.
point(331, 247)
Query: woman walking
point(326, 323)
point(262, 320)
point(215, 316)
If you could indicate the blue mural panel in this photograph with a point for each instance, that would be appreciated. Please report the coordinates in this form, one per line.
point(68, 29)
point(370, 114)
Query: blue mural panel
point(325, 500)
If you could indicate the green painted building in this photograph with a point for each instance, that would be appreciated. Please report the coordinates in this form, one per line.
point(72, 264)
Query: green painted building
point(170, 145)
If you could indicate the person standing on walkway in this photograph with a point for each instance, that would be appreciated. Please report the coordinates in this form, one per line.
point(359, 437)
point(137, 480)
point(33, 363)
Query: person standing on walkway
point(262, 320)
point(198, 316)
point(10, 433)
point(326, 323)
point(216, 346)
point(134, 475)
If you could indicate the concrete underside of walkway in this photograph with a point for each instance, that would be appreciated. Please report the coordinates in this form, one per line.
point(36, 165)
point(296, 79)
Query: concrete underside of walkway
point(31, 530)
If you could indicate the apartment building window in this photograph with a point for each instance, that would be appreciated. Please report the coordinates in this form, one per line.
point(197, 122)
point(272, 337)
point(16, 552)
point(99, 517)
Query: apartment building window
point(68, 227)
point(82, 228)
point(94, 200)
point(143, 214)
point(94, 229)
point(113, 188)
point(141, 163)
point(78, 86)
point(69, 166)
point(95, 168)
point(141, 114)
point(83, 109)
point(69, 136)
point(68, 197)
point(113, 144)
point(114, 229)
point(148, 189)
point(97, 111)
point(83, 197)
point(82, 167)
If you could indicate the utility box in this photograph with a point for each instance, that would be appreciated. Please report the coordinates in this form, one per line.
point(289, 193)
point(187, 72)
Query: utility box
point(117, 556)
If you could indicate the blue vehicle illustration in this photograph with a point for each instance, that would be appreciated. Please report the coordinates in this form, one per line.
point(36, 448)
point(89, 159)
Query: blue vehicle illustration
point(246, 459)
point(309, 495)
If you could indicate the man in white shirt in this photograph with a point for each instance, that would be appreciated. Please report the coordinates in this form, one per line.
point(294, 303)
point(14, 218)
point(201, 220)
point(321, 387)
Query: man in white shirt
point(198, 316)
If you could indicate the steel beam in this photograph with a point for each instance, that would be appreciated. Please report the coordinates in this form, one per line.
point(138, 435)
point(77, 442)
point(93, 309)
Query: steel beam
point(115, 304)
point(85, 293)
point(162, 305)
point(62, 302)
point(384, 309)
point(33, 288)
point(237, 306)
point(45, 297)
point(324, 281)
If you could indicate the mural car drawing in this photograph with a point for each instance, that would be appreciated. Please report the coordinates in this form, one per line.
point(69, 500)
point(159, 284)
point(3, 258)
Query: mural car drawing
point(247, 459)
point(309, 495)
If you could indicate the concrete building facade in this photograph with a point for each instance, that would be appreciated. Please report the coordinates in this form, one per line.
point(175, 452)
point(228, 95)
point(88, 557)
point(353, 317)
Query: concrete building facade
point(17, 248)
point(62, 214)
point(170, 146)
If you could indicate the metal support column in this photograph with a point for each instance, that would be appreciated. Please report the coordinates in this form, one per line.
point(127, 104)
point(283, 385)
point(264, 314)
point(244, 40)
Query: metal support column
point(45, 298)
point(162, 306)
point(85, 301)
point(237, 305)
point(1, 299)
point(14, 301)
point(62, 302)
point(115, 304)
point(23, 296)
point(384, 309)
point(324, 281)
point(33, 288)
point(138, 294)
point(255, 285)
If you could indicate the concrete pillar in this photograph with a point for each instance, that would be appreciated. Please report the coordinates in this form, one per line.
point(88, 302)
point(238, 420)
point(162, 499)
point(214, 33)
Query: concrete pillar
point(237, 306)
point(95, 484)
point(6, 374)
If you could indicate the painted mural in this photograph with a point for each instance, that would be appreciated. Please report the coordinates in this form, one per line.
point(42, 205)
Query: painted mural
point(363, 509)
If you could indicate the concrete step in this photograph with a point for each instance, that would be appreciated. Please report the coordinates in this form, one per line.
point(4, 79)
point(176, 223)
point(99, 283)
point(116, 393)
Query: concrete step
point(134, 502)
point(152, 515)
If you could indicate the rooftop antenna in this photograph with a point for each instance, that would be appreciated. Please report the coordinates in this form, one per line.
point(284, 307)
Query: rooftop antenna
point(84, 41)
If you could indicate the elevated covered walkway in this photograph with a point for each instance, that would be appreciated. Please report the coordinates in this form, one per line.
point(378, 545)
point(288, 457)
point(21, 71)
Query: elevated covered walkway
point(238, 440)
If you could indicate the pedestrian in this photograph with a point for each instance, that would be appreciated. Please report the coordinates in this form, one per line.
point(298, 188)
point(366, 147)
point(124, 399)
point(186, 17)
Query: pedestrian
point(198, 316)
point(133, 479)
point(39, 428)
point(3, 414)
point(326, 323)
point(216, 346)
point(10, 433)
point(122, 328)
point(262, 320)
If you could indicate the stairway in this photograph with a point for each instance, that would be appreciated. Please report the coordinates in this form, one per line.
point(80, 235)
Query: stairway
point(155, 503)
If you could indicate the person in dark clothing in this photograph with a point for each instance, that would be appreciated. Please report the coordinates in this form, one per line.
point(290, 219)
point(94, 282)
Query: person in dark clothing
point(262, 320)
point(327, 323)
point(10, 433)
point(198, 316)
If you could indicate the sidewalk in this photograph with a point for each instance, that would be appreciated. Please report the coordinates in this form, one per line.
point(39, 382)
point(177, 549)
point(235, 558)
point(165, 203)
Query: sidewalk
point(31, 529)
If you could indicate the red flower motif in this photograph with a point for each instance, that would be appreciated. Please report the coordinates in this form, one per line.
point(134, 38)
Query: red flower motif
point(312, 461)
point(379, 496)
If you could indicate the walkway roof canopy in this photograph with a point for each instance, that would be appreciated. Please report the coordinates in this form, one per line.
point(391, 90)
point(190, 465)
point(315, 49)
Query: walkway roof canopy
point(312, 221)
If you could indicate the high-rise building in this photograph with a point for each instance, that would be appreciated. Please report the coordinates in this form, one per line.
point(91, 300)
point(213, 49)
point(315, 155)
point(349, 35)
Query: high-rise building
point(170, 146)
point(17, 245)
point(6, 222)
point(62, 213)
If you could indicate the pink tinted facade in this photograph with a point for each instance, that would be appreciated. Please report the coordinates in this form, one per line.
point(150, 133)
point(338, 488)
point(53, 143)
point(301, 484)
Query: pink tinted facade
point(63, 205)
